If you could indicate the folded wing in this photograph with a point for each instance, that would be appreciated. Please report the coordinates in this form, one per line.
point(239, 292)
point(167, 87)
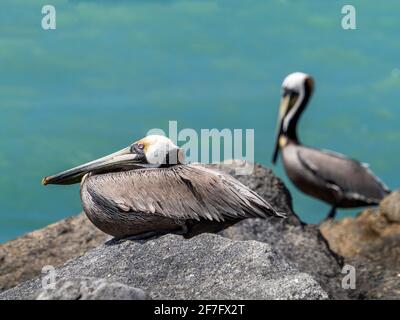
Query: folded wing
point(181, 192)
point(349, 177)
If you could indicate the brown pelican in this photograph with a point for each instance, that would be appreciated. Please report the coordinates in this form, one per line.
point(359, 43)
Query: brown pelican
point(146, 189)
point(328, 176)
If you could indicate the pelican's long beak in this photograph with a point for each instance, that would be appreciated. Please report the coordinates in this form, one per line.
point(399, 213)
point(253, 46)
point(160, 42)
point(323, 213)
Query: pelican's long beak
point(120, 160)
point(283, 108)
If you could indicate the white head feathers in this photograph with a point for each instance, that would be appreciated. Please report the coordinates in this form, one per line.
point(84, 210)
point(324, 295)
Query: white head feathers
point(295, 81)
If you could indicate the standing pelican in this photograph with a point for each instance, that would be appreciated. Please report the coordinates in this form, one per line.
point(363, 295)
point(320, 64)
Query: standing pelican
point(328, 176)
point(145, 190)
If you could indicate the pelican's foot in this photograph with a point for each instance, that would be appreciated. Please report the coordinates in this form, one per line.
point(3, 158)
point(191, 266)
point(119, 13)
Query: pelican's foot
point(182, 231)
point(331, 214)
point(142, 237)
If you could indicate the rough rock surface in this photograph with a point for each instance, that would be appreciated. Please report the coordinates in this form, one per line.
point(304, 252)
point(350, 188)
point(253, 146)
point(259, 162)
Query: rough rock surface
point(90, 289)
point(205, 267)
point(370, 243)
point(365, 235)
point(23, 258)
point(299, 243)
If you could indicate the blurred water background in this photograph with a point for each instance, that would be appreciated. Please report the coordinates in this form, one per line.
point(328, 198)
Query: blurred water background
point(112, 70)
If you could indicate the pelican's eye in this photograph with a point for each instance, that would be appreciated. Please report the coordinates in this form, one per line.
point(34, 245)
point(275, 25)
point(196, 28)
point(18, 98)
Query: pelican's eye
point(137, 148)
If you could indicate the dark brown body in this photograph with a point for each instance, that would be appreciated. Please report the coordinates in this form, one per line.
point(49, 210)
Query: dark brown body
point(331, 177)
point(189, 199)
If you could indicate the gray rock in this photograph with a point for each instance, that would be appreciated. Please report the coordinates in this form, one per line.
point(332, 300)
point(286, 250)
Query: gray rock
point(23, 258)
point(300, 244)
point(204, 267)
point(90, 289)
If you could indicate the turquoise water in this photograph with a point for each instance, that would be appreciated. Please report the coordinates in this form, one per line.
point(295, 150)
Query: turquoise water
point(115, 69)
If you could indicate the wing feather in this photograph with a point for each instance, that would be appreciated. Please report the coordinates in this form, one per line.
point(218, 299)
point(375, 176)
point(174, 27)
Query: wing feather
point(181, 192)
point(352, 178)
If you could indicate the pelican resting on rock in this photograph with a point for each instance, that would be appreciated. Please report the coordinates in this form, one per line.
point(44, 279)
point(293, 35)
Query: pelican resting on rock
point(146, 190)
point(325, 175)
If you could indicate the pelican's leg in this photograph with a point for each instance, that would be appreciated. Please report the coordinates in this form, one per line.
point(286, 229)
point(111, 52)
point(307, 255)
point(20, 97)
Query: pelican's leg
point(137, 237)
point(150, 235)
point(182, 231)
point(143, 237)
point(331, 214)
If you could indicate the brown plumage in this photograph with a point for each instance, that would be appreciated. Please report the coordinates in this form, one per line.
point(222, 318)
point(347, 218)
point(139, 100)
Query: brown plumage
point(139, 197)
point(181, 197)
point(332, 177)
point(325, 175)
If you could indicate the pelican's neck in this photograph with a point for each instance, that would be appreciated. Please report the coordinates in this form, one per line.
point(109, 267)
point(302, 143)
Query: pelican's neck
point(292, 117)
point(284, 141)
point(291, 131)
